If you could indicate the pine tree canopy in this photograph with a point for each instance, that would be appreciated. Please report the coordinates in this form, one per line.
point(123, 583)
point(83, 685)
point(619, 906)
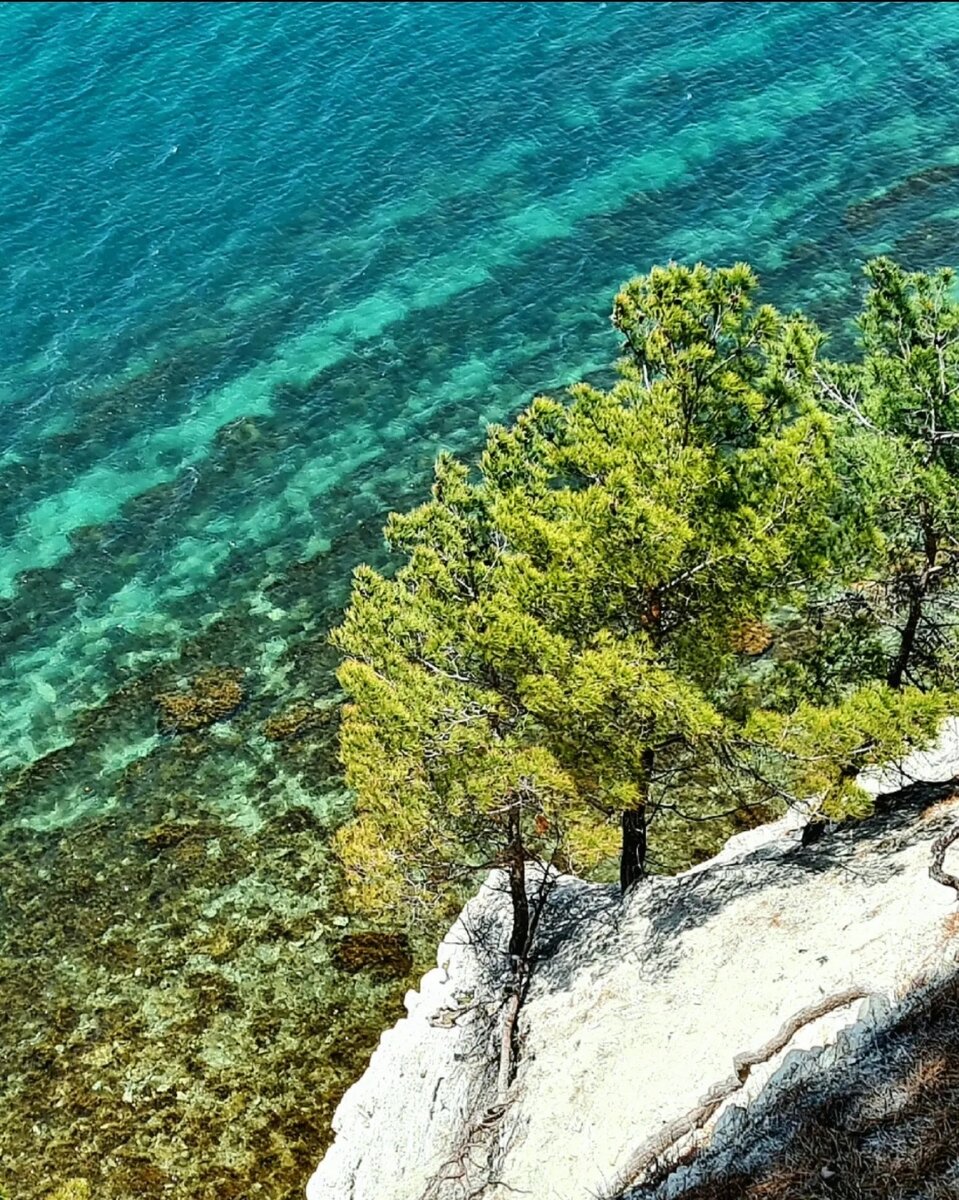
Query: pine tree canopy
point(557, 666)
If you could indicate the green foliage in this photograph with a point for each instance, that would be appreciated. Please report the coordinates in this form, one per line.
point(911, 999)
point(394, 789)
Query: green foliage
point(899, 408)
point(564, 623)
point(437, 742)
point(561, 645)
point(865, 668)
point(73, 1189)
point(818, 750)
point(690, 496)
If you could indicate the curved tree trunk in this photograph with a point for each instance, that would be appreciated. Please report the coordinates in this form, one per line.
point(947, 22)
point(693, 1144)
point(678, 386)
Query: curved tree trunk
point(907, 640)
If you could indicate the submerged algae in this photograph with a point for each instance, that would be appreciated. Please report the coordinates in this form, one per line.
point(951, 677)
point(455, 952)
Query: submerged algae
point(173, 1014)
point(73, 1189)
point(213, 696)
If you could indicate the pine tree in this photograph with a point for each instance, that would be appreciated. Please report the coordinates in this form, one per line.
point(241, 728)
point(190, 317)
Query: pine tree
point(450, 767)
point(901, 407)
point(817, 751)
point(564, 627)
point(865, 670)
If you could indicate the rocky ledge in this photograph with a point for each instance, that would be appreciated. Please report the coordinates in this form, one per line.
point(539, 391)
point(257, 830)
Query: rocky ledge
point(660, 1026)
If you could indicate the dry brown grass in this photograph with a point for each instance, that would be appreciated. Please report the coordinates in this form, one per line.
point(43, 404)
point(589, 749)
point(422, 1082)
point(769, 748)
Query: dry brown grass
point(940, 810)
point(927, 1073)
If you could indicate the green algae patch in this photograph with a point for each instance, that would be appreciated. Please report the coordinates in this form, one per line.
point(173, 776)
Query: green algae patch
point(175, 1014)
point(297, 720)
point(212, 696)
point(73, 1189)
point(181, 1022)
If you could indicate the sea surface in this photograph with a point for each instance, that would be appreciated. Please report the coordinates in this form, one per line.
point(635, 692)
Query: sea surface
point(260, 263)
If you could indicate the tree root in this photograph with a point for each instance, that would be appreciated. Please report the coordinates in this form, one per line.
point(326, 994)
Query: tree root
point(654, 1149)
point(936, 869)
point(457, 1174)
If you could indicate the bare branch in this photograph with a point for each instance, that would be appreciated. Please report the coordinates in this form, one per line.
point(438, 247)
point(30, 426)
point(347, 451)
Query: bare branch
point(936, 869)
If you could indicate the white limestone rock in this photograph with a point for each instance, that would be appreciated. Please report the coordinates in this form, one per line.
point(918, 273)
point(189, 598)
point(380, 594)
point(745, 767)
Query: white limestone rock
point(636, 1009)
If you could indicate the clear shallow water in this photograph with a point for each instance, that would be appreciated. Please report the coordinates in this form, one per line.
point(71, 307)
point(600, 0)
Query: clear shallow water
point(260, 262)
point(362, 232)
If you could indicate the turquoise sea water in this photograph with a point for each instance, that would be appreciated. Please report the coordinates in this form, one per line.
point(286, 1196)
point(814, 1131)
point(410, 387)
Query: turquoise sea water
point(259, 263)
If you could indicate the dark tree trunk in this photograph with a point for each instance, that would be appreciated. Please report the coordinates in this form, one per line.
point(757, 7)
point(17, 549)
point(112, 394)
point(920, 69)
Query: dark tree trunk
point(907, 641)
point(812, 832)
point(516, 861)
point(632, 859)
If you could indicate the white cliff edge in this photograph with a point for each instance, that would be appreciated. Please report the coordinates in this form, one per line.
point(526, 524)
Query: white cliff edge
point(637, 1009)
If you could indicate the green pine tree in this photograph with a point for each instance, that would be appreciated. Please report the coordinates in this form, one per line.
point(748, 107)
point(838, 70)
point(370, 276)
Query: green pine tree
point(900, 406)
point(865, 669)
point(564, 628)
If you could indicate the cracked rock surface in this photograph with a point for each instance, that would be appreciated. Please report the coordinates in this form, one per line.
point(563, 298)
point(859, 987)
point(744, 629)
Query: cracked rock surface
point(637, 1009)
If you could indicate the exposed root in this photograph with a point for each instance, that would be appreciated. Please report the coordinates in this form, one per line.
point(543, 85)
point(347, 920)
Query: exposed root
point(470, 1169)
point(936, 869)
point(881, 1126)
point(654, 1149)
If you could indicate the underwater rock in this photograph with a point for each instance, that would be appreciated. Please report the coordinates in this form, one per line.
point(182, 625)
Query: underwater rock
point(865, 213)
point(164, 974)
point(214, 696)
point(752, 638)
point(170, 833)
point(295, 721)
point(297, 819)
point(241, 431)
point(383, 954)
point(86, 537)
